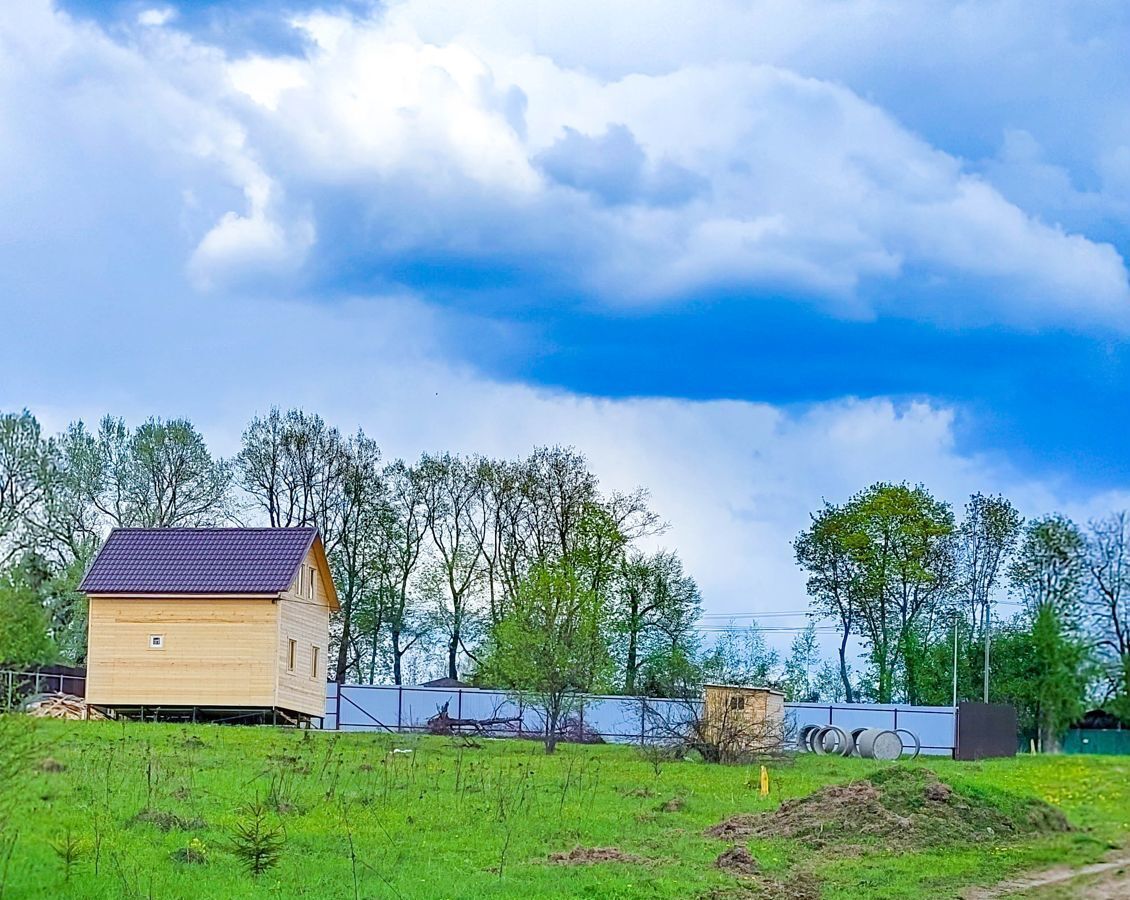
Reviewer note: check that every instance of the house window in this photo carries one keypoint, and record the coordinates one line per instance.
(311, 584)
(737, 703)
(301, 574)
(291, 655)
(156, 642)
(313, 662)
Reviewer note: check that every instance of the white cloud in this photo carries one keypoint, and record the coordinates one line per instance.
(156, 17)
(474, 132)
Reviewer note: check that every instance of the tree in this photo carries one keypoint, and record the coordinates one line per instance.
(25, 474)
(654, 610)
(293, 466)
(159, 475)
(741, 657)
(986, 537)
(405, 531)
(901, 540)
(553, 647)
(1048, 574)
(804, 656)
(1049, 569)
(24, 638)
(454, 512)
(835, 582)
(356, 557)
(1108, 598)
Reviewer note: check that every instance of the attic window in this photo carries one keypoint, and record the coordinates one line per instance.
(156, 642)
(310, 584)
(301, 576)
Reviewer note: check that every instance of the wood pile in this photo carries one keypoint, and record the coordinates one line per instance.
(61, 706)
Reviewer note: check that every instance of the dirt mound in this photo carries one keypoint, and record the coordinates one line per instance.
(738, 861)
(898, 807)
(583, 856)
(675, 804)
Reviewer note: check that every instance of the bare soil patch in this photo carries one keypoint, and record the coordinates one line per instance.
(738, 861)
(583, 856)
(898, 807)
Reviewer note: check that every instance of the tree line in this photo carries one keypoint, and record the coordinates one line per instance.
(900, 576)
(432, 558)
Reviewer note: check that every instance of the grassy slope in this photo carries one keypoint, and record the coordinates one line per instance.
(434, 823)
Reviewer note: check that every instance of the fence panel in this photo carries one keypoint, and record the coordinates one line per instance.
(631, 720)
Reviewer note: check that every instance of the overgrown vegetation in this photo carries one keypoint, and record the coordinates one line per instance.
(443, 819)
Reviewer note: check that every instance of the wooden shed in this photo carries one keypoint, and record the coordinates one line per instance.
(210, 622)
(751, 719)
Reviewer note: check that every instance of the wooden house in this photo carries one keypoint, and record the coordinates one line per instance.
(210, 623)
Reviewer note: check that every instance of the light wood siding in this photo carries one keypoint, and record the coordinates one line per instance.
(217, 651)
(304, 619)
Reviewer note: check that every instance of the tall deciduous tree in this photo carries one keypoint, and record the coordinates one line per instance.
(1049, 574)
(553, 646)
(835, 582)
(26, 475)
(655, 607)
(454, 511)
(1108, 597)
(403, 540)
(987, 536)
(356, 555)
(159, 475)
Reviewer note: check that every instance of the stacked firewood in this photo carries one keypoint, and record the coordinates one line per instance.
(61, 706)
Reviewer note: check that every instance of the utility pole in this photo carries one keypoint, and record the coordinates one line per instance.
(955, 661)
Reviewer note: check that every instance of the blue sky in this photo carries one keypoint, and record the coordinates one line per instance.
(748, 254)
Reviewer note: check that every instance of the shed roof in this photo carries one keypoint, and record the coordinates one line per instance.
(198, 560)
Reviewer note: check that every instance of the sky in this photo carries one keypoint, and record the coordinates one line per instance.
(749, 255)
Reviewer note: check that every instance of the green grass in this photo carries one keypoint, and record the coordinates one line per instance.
(439, 822)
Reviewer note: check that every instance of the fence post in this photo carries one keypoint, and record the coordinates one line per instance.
(643, 719)
(399, 704)
(459, 706)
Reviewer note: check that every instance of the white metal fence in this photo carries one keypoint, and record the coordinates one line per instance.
(618, 720)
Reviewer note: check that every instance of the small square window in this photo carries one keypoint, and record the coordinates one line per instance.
(737, 703)
(156, 642)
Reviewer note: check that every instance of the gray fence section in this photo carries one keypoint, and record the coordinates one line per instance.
(935, 726)
(618, 720)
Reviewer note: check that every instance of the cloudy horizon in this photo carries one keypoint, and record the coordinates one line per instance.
(748, 256)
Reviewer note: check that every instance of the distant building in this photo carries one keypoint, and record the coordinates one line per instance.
(210, 622)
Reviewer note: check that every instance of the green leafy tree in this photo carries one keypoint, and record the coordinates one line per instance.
(24, 635)
(835, 581)
(655, 606)
(552, 647)
(741, 656)
(987, 536)
(801, 666)
(161, 474)
(1049, 575)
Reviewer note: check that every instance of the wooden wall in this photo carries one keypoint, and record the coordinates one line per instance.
(304, 617)
(217, 651)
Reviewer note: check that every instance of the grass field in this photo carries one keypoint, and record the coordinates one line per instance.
(445, 821)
